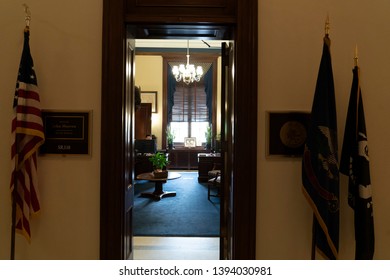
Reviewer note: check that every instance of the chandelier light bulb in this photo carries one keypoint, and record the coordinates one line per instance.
(188, 73)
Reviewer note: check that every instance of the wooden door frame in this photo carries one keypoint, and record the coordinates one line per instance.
(112, 179)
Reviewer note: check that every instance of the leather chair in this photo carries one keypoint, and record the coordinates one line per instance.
(214, 181)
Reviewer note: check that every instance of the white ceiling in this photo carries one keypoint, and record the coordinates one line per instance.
(193, 44)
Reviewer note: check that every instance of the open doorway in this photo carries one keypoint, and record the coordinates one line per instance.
(115, 156)
(154, 60)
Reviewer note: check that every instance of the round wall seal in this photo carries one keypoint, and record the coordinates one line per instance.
(293, 134)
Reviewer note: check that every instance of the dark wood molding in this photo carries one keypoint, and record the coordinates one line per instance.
(244, 23)
(155, 29)
(245, 146)
(112, 132)
(178, 10)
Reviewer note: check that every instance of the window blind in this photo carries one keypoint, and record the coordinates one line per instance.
(190, 103)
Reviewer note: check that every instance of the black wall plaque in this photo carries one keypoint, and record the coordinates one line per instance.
(66, 132)
(287, 132)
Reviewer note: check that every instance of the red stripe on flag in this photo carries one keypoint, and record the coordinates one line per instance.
(28, 94)
(28, 110)
(29, 125)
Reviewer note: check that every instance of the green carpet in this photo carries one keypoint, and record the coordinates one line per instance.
(189, 213)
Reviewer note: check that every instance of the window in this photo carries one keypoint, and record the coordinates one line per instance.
(190, 116)
(190, 109)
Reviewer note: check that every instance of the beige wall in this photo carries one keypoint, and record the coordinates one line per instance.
(290, 46)
(148, 75)
(66, 44)
(66, 47)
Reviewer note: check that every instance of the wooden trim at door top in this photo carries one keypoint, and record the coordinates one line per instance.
(179, 11)
(112, 179)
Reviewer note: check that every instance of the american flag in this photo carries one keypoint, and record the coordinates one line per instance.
(27, 129)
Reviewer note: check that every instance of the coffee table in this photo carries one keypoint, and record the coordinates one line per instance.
(158, 192)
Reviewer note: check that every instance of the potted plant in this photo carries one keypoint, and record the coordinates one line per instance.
(209, 135)
(170, 137)
(159, 162)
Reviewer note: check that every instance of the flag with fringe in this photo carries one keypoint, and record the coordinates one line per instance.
(320, 170)
(28, 133)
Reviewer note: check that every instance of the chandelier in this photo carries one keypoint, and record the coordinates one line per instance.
(188, 73)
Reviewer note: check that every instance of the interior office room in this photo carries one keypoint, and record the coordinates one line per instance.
(66, 45)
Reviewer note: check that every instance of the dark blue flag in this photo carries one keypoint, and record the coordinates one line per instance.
(355, 164)
(320, 170)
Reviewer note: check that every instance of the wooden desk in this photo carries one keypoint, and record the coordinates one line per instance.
(158, 192)
(184, 158)
(207, 162)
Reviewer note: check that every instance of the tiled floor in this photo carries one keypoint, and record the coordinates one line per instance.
(176, 248)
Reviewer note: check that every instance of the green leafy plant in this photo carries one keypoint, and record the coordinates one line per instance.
(209, 135)
(159, 161)
(170, 136)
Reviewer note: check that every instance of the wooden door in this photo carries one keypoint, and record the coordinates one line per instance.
(127, 248)
(227, 127)
(143, 120)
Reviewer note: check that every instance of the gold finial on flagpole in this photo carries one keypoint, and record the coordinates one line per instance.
(327, 25)
(27, 16)
(356, 56)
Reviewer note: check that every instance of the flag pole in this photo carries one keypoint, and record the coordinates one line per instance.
(27, 17)
(13, 228)
(327, 26)
(313, 239)
(358, 87)
(356, 56)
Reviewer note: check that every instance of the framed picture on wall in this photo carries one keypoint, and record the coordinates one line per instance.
(287, 132)
(150, 97)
